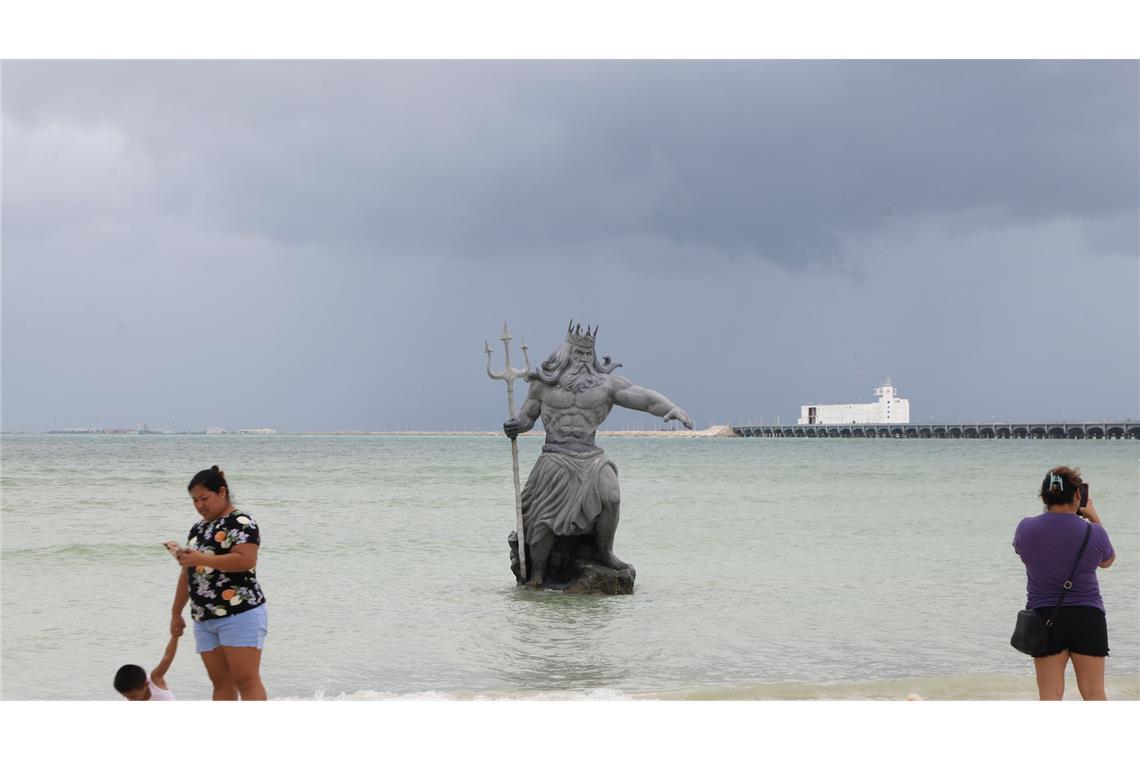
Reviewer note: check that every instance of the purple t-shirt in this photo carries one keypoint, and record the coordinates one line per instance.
(1048, 545)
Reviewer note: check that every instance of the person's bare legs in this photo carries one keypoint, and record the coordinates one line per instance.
(1090, 676)
(1051, 675)
(244, 664)
(220, 676)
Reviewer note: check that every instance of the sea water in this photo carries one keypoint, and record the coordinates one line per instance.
(766, 568)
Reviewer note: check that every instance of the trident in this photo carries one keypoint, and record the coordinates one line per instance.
(510, 374)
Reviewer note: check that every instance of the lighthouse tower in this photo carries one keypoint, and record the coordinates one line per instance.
(891, 407)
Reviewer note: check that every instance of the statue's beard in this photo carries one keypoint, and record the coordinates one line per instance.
(579, 377)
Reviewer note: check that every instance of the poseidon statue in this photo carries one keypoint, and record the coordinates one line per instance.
(572, 492)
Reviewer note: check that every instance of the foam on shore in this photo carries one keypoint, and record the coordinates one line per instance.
(993, 687)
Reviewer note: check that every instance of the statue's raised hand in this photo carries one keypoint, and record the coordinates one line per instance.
(677, 413)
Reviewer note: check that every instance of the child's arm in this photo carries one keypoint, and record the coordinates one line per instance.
(177, 626)
(158, 675)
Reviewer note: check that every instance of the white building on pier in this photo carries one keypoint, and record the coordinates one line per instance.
(888, 409)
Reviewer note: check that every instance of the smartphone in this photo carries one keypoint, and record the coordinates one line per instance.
(1084, 489)
(172, 547)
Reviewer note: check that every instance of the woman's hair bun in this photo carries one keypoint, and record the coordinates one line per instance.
(1060, 485)
(212, 479)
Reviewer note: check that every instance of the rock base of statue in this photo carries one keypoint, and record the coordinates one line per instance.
(572, 568)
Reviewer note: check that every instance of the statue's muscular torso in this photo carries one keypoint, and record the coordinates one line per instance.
(572, 419)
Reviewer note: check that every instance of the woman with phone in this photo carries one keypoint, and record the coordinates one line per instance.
(1048, 545)
(220, 583)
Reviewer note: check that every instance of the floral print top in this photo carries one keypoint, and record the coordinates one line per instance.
(213, 593)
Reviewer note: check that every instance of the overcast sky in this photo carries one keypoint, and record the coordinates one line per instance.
(325, 246)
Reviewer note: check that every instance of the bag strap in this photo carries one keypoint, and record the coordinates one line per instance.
(1069, 583)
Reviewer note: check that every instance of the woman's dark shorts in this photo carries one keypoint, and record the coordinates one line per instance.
(1079, 629)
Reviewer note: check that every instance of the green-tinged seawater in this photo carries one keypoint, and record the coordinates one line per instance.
(766, 568)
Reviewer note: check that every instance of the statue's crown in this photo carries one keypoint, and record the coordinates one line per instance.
(575, 336)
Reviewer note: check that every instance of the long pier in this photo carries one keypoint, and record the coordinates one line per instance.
(1068, 430)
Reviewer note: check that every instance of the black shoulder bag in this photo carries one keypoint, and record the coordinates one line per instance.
(1031, 633)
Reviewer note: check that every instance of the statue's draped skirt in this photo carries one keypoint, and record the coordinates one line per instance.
(561, 495)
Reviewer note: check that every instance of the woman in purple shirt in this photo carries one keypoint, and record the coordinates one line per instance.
(1048, 545)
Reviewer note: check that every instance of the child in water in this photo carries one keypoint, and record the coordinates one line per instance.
(133, 683)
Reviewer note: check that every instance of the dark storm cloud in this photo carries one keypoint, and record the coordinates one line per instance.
(323, 246)
(783, 160)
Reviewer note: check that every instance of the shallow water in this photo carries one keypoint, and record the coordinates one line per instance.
(766, 568)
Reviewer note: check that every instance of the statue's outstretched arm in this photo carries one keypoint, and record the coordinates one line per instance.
(645, 400)
(525, 417)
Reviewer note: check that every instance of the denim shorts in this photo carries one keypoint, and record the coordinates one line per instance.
(245, 629)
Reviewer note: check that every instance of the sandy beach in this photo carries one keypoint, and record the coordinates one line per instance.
(716, 431)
